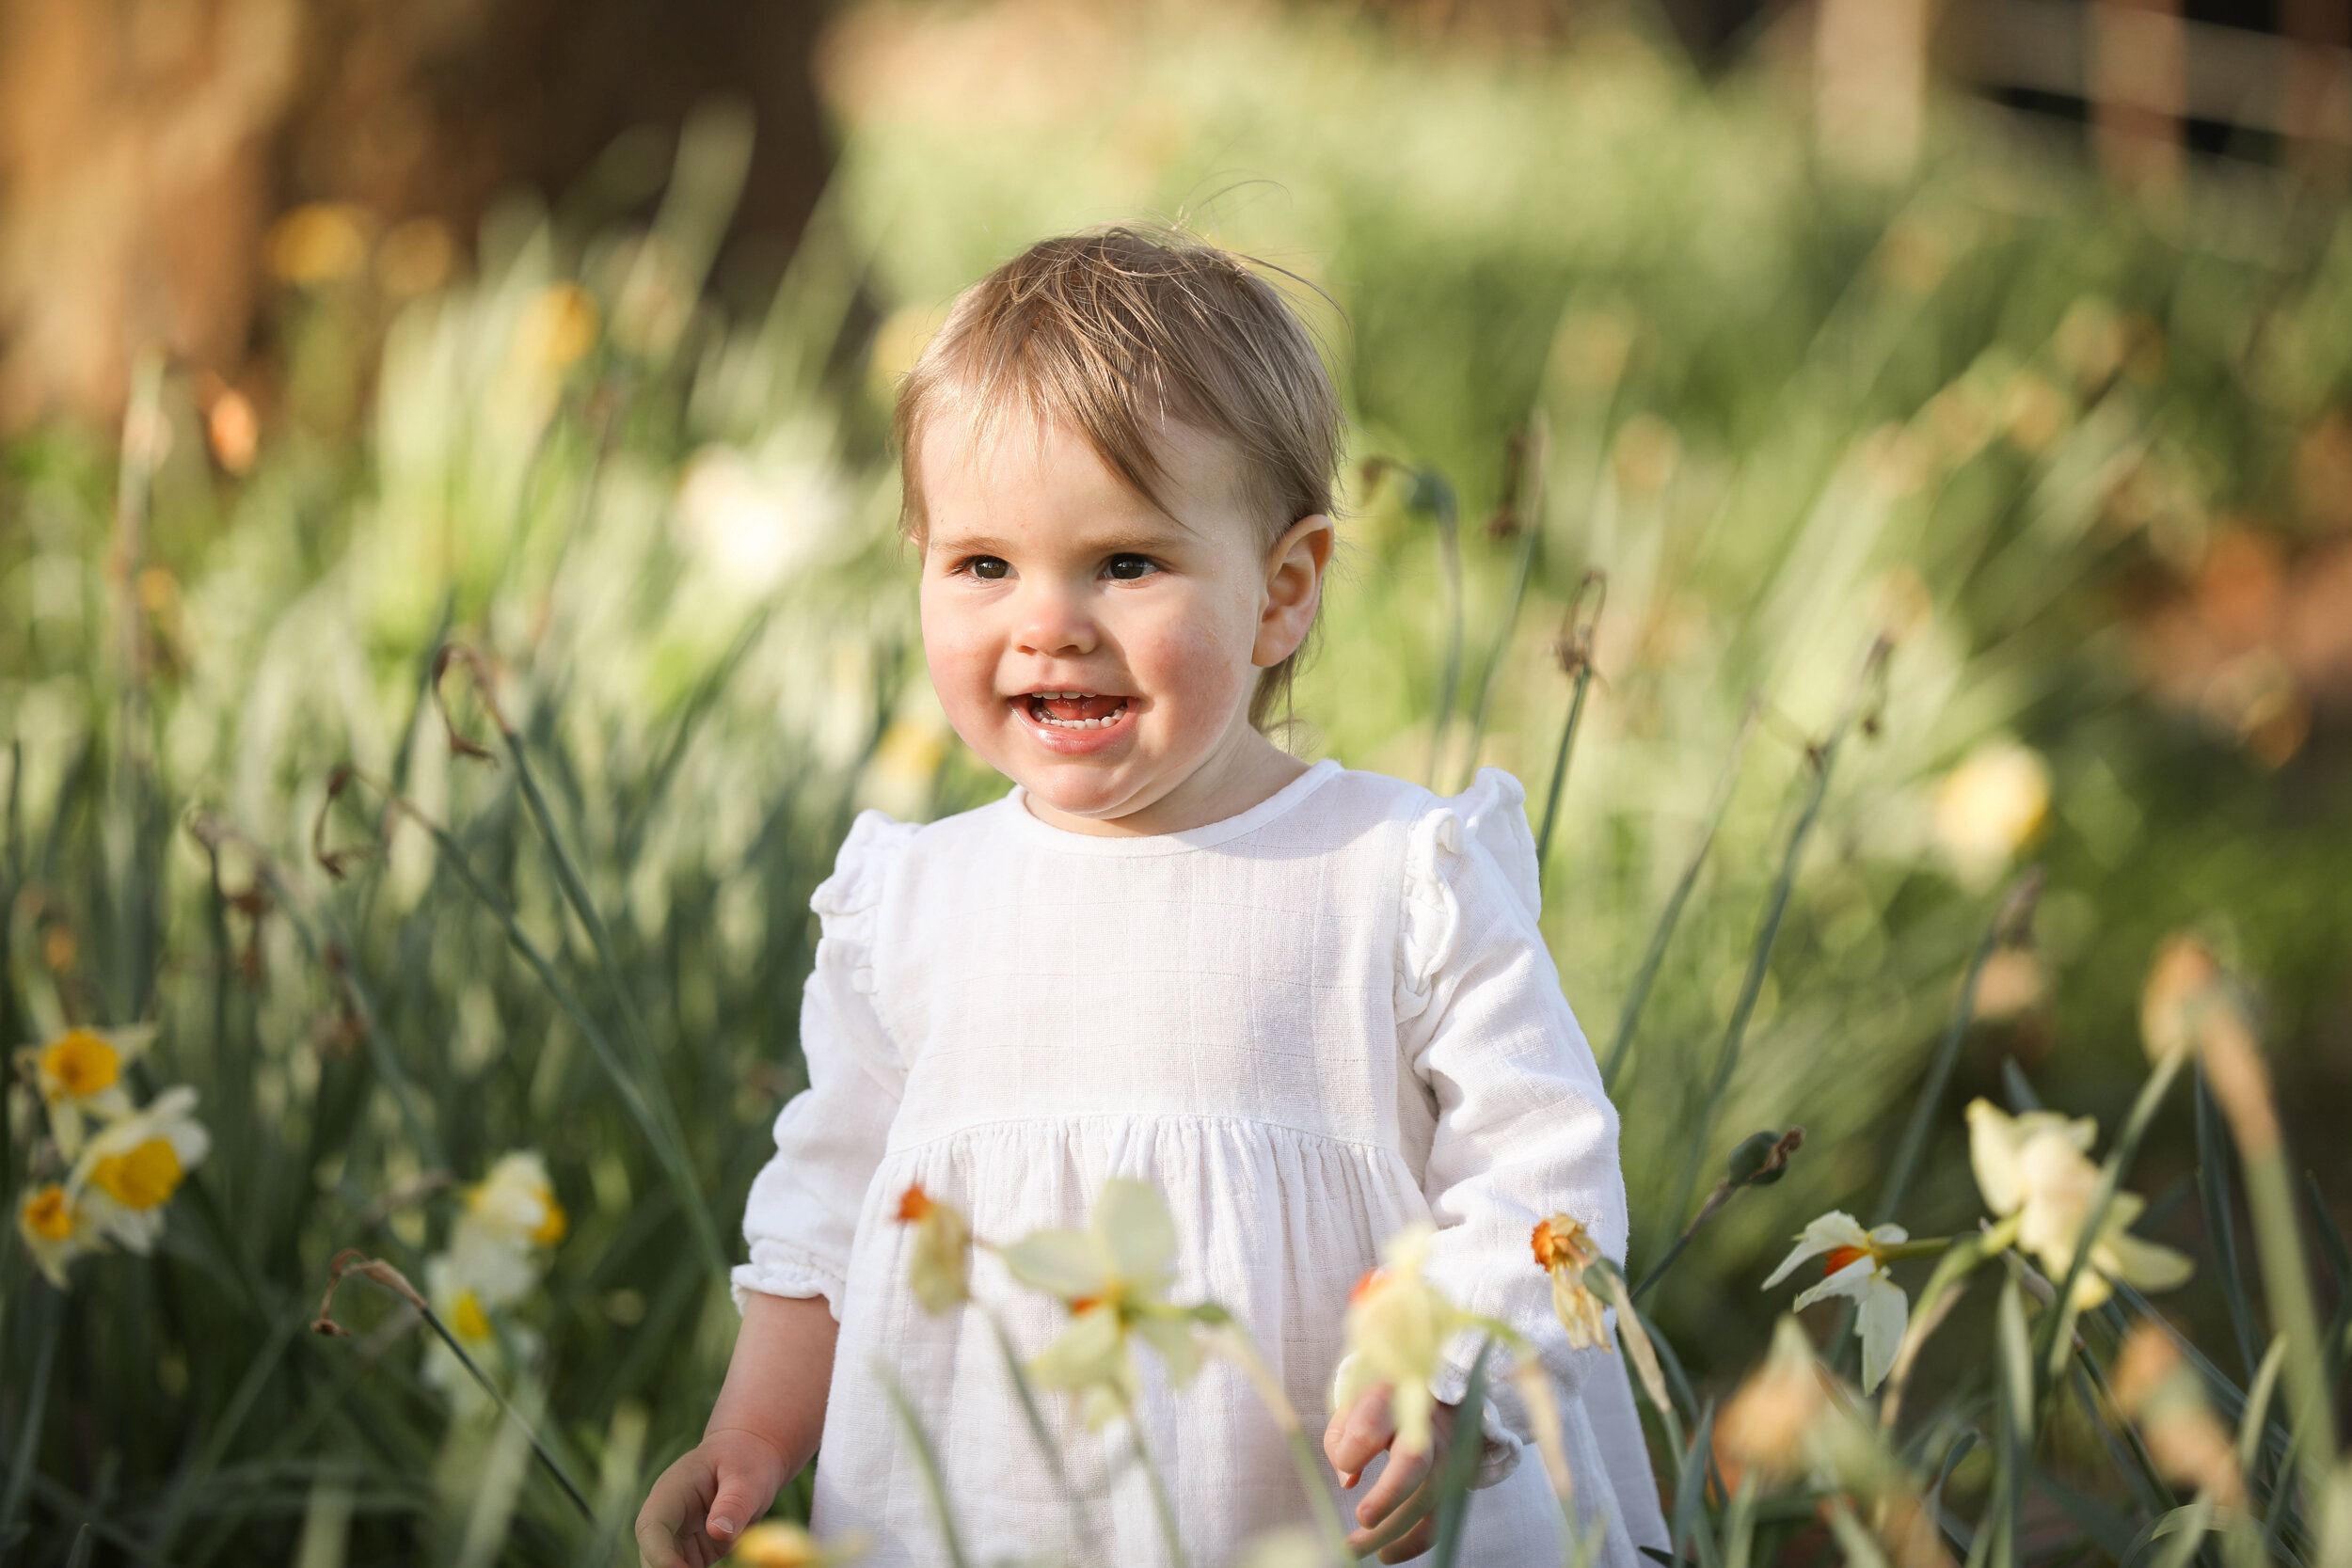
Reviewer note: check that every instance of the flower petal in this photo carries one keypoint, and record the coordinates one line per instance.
(1090, 1352)
(1137, 1231)
(2142, 1263)
(1993, 1156)
(1852, 1280)
(1063, 1263)
(1885, 1311)
(1171, 1335)
(1831, 1231)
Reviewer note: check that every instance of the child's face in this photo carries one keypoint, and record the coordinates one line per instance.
(1045, 576)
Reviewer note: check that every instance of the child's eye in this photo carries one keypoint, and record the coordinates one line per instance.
(990, 568)
(1126, 568)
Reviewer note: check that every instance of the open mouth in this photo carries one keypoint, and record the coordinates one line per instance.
(1075, 710)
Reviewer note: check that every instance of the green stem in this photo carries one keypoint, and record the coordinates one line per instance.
(2018, 901)
(1727, 1058)
(1559, 766)
(1526, 503)
(1450, 558)
(926, 1462)
(35, 1406)
(1637, 995)
(2057, 1329)
(1163, 1506)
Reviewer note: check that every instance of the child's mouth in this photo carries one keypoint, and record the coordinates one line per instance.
(1075, 710)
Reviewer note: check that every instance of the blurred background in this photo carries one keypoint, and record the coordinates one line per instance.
(1693, 349)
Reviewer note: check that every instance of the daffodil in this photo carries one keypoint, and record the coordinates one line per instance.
(506, 1215)
(780, 1543)
(1854, 1261)
(1565, 1249)
(464, 1313)
(940, 1271)
(79, 1076)
(54, 1229)
(1113, 1276)
(1398, 1324)
(131, 1168)
(1991, 806)
(2036, 1169)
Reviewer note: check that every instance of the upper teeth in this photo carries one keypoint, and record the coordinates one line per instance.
(1066, 696)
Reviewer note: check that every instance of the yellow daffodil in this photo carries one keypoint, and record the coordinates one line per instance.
(940, 1271)
(1990, 807)
(1854, 1261)
(506, 1215)
(1398, 1324)
(2036, 1168)
(1113, 1276)
(54, 1230)
(79, 1075)
(780, 1543)
(1565, 1249)
(131, 1168)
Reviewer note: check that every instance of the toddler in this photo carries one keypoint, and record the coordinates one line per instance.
(1310, 1004)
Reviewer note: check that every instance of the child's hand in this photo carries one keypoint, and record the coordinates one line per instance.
(707, 1498)
(1352, 1440)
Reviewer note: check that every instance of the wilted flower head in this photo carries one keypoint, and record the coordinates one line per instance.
(2036, 1167)
(2187, 1441)
(1565, 1249)
(940, 1268)
(1113, 1276)
(131, 1168)
(54, 1230)
(1855, 1263)
(1397, 1327)
(79, 1077)
(780, 1543)
(2182, 983)
(1770, 1422)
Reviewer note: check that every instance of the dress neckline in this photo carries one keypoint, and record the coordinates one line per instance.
(1016, 807)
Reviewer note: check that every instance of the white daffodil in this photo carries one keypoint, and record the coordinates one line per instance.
(1113, 1276)
(506, 1215)
(1565, 1249)
(56, 1230)
(940, 1270)
(462, 1310)
(79, 1077)
(132, 1167)
(1990, 807)
(1398, 1324)
(1854, 1261)
(2036, 1167)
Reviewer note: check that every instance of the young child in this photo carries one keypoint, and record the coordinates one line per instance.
(1310, 1004)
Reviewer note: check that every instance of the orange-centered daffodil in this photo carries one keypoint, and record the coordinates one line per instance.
(1855, 1263)
(1565, 1249)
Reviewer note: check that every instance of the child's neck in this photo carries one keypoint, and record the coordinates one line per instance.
(1244, 769)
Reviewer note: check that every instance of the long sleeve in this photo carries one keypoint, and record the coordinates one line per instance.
(1523, 1127)
(802, 1211)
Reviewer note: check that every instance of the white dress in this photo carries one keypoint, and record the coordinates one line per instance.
(1310, 1025)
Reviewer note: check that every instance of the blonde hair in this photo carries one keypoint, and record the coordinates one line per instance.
(1116, 333)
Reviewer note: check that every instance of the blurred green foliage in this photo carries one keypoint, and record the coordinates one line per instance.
(1591, 317)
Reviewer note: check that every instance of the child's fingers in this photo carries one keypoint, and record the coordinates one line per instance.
(1396, 1482)
(734, 1508)
(1358, 1433)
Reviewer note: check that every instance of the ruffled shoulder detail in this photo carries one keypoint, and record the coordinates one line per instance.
(1487, 821)
(847, 903)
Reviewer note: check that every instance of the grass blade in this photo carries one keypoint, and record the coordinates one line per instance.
(1575, 651)
(2212, 1191)
(926, 1461)
(1460, 1467)
(52, 1311)
(1637, 995)
(1825, 761)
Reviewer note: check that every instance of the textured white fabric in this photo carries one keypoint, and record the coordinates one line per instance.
(1310, 1026)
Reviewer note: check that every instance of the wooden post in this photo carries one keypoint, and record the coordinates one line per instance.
(1869, 67)
(2137, 81)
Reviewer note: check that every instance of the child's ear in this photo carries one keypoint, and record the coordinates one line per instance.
(1294, 589)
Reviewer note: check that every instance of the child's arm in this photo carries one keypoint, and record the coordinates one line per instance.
(762, 1429)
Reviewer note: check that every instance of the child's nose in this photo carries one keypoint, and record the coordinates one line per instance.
(1053, 619)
